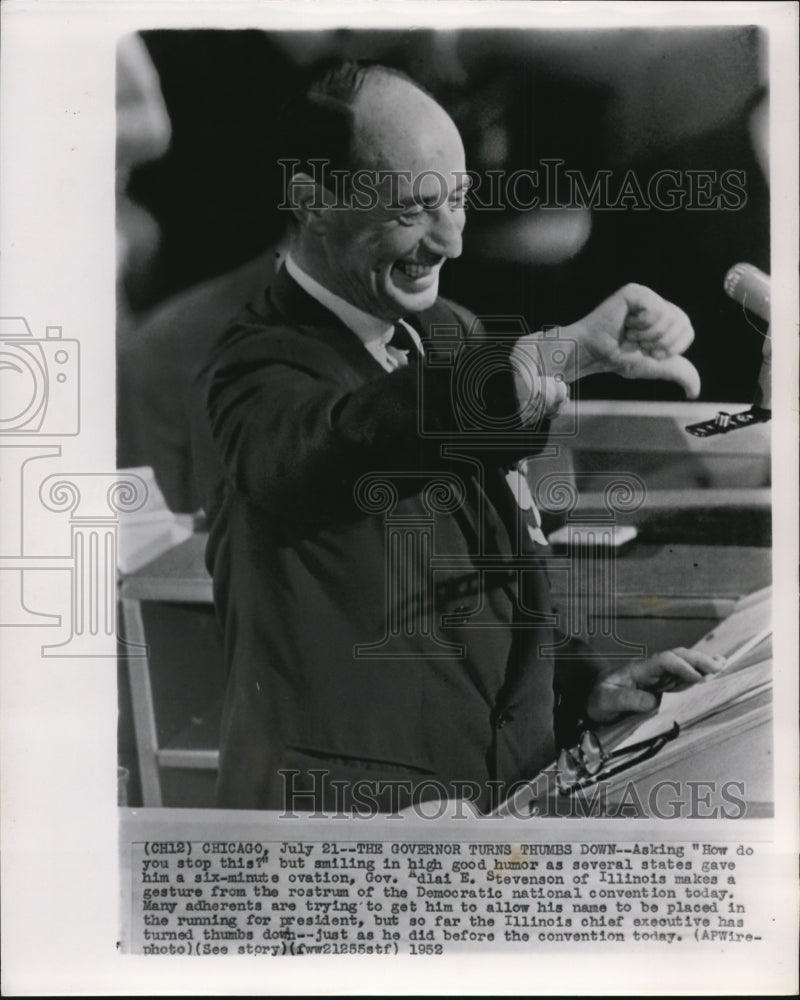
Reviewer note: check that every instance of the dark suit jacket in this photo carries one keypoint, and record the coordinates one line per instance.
(296, 411)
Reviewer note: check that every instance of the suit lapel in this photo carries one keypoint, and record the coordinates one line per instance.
(299, 309)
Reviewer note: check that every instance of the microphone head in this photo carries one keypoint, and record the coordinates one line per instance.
(750, 287)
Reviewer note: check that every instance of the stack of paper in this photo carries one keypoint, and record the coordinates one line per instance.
(738, 696)
(744, 638)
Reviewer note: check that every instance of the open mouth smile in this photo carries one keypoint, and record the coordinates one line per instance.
(421, 268)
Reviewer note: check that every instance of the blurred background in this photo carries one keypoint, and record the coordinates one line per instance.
(199, 235)
(198, 186)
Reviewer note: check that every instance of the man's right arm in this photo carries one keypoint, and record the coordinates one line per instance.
(634, 333)
(294, 428)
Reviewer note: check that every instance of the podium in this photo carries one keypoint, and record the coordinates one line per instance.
(706, 752)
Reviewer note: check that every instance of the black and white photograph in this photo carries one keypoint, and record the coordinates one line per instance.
(399, 498)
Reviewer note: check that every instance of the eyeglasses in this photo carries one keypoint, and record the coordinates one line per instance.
(587, 762)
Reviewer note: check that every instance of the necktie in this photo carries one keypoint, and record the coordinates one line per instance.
(402, 340)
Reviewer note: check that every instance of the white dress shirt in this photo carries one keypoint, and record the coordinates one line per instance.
(374, 333)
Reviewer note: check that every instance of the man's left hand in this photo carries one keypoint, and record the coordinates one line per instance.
(637, 686)
(638, 335)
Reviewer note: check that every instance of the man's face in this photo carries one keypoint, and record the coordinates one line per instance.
(383, 251)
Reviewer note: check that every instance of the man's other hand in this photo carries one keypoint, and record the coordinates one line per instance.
(637, 686)
(636, 334)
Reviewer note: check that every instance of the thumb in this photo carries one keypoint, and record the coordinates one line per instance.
(621, 698)
(675, 369)
(608, 700)
(631, 699)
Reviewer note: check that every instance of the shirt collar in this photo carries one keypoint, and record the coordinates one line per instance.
(367, 328)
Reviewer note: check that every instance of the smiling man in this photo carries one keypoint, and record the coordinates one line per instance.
(360, 678)
(404, 188)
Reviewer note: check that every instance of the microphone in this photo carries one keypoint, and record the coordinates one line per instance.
(749, 287)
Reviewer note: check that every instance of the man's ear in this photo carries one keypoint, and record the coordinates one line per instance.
(309, 202)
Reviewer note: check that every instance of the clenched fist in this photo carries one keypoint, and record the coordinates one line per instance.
(636, 334)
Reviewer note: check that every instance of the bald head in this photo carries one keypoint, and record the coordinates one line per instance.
(380, 240)
(396, 125)
(350, 116)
